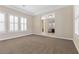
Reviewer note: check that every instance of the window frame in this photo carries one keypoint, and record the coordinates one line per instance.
(14, 23)
(24, 24)
(3, 22)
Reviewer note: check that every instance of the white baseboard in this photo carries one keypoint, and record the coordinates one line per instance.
(64, 38)
(10, 37)
(55, 36)
(76, 45)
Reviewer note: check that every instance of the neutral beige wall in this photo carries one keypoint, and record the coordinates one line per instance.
(8, 34)
(64, 26)
(63, 21)
(36, 25)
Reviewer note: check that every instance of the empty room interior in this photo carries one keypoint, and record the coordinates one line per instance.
(39, 29)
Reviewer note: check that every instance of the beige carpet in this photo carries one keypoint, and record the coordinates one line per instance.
(34, 44)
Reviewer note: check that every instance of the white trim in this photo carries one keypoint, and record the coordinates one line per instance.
(64, 38)
(31, 13)
(19, 9)
(14, 36)
(54, 36)
(76, 45)
(48, 11)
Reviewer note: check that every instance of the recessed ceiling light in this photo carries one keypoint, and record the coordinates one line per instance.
(23, 5)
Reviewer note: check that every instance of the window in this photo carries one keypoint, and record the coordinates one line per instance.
(16, 23)
(2, 22)
(13, 23)
(23, 24)
(77, 26)
(76, 20)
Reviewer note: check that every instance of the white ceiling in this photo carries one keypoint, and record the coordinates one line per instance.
(35, 9)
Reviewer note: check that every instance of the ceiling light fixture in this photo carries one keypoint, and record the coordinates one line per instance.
(23, 5)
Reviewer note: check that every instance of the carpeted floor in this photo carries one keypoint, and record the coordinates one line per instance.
(35, 44)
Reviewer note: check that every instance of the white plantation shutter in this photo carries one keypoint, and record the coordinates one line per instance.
(13, 23)
(16, 23)
(2, 22)
(77, 20)
(23, 23)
